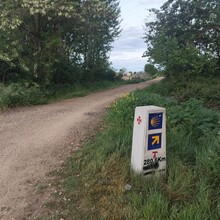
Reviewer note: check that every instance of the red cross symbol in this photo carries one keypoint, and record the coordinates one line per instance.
(139, 120)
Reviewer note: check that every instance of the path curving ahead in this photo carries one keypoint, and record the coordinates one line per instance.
(36, 140)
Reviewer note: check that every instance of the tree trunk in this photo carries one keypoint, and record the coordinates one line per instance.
(38, 47)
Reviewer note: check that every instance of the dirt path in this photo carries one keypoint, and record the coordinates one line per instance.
(36, 140)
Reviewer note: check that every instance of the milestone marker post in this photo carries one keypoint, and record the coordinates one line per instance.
(148, 155)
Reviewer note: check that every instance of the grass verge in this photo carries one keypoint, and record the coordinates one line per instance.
(25, 94)
(94, 179)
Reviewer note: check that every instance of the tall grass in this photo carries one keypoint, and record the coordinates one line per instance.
(26, 94)
(205, 89)
(94, 179)
(20, 94)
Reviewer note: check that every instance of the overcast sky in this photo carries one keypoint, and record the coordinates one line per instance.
(129, 47)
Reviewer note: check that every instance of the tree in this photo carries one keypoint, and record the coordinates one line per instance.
(43, 35)
(32, 24)
(92, 41)
(183, 28)
(151, 69)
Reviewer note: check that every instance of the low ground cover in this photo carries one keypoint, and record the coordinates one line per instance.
(205, 89)
(26, 94)
(94, 179)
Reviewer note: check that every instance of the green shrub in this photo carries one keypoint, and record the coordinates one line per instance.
(11, 72)
(17, 94)
(182, 89)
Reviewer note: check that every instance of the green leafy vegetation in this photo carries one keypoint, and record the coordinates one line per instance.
(20, 94)
(150, 69)
(184, 38)
(54, 49)
(94, 179)
(183, 42)
(205, 89)
(57, 42)
(51, 50)
(26, 94)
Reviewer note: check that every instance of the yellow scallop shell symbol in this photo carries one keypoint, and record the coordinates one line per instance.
(155, 121)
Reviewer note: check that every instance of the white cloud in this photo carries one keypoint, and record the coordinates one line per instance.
(129, 48)
(131, 38)
(126, 56)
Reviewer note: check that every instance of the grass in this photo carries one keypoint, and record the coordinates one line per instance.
(205, 89)
(66, 92)
(94, 179)
(18, 94)
(27, 94)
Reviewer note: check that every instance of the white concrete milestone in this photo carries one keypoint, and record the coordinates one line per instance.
(148, 155)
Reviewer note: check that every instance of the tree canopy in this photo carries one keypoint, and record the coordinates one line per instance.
(151, 69)
(185, 37)
(58, 41)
